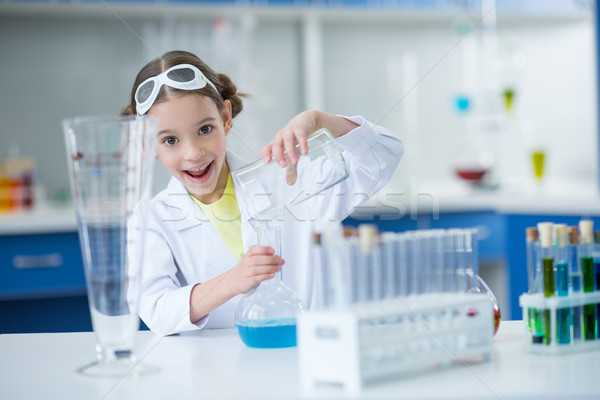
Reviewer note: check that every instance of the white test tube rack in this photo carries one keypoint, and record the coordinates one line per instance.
(539, 302)
(359, 344)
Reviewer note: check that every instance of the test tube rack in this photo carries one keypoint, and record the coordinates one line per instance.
(553, 304)
(355, 345)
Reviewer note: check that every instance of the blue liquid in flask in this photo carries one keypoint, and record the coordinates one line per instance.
(270, 333)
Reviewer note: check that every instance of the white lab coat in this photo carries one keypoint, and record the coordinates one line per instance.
(183, 249)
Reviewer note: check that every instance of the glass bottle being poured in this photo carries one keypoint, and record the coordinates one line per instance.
(266, 316)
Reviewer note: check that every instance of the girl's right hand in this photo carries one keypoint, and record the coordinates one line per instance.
(259, 264)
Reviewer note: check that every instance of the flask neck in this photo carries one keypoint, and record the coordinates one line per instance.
(274, 281)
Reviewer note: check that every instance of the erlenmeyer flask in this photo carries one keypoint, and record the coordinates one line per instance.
(266, 316)
(272, 188)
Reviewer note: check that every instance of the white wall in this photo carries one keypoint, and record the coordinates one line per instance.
(366, 72)
(54, 67)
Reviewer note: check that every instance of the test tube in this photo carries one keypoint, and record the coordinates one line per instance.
(437, 260)
(586, 254)
(472, 257)
(545, 230)
(449, 262)
(462, 281)
(531, 235)
(536, 283)
(424, 267)
(561, 259)
(563, 315)
(367, 236)
(320, 266)
(402, 265)
(390, 261)
(338, 259)
(355, 263)
(413, 258)
(377, 274)
(575, 279)
(597, 265)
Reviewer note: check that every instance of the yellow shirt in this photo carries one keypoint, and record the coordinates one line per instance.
(224, 215)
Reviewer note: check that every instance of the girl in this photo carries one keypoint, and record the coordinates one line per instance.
(200, 238)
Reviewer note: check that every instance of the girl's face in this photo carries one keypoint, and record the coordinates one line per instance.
(191, 143)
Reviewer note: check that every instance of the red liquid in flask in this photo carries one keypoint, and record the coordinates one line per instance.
(496, 319)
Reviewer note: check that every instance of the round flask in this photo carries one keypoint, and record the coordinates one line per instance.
(266, 316)
(481, 287)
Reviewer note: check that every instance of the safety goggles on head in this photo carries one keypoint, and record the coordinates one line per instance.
(182, 76)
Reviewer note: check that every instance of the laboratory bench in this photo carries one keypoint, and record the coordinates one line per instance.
(215, 364)
(42, 286)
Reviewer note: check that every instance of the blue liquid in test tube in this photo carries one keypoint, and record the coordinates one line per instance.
(563, 315)
(575, 280)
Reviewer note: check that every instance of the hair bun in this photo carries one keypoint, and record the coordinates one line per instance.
(229, 92)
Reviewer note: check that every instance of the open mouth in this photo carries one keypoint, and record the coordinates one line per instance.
(199, 173)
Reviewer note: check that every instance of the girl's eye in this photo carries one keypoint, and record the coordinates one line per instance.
(205, 130)
(170, 141)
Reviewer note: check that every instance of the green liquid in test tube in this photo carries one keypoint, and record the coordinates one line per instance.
(536, 284)
(586, 251)
(597, 275)
(531, 235)
(549, 286)
(545, 231)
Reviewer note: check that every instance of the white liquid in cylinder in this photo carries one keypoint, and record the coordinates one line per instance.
(115, 334)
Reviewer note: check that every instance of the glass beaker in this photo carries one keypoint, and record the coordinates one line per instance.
(111, 161)
(266, 316)
(271, 188)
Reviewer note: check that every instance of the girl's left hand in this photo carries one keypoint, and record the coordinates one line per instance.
(293, 134)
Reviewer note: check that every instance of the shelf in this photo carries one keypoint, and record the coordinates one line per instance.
(333, 10)
(39, 220)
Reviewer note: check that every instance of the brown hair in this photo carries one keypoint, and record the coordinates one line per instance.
(227, 90)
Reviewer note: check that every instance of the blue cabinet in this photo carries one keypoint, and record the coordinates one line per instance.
(40, 265)
(42, 284)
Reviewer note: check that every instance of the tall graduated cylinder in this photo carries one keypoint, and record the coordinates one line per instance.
(111, 161)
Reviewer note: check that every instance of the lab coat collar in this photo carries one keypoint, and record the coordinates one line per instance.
(179, 204)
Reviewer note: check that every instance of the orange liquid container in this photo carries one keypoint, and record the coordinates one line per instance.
(16, 184)
(7, 202)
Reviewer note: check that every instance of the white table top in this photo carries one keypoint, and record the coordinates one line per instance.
(214, 364)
